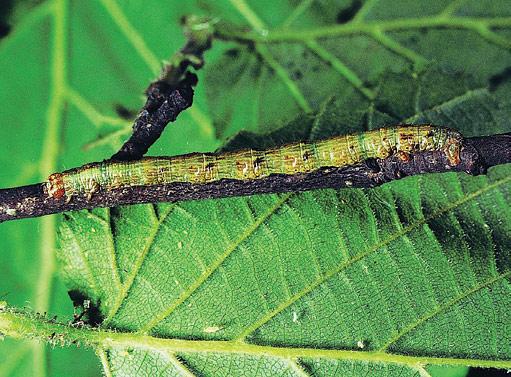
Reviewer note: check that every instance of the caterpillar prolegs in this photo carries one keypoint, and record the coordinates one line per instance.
(249, 164)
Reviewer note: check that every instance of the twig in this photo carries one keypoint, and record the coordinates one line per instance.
(171, 93)
(477, 155)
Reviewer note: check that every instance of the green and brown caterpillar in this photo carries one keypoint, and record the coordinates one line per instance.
(249, 164)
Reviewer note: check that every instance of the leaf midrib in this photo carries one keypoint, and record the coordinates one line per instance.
(17, 324)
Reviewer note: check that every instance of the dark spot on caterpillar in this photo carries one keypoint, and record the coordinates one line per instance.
(306, 156)
(232, 52)
(210, 166)
(346, 14)
(500, 78)
(90, 313)
(258, 161)
(124, 112)
(403, 156)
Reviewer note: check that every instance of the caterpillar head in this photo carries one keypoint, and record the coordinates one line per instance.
(55, 186)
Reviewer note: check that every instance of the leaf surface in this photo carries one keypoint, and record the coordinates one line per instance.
(112, 52)
(66, 67)
(31, 124)
(418, 267)
(293, 57)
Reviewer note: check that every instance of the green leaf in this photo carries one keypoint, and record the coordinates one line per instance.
(389, 280)
(30, 119)
(286, 58)
(103, 54)
(66, 66)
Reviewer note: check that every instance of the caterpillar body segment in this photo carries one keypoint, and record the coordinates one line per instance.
(296, 158)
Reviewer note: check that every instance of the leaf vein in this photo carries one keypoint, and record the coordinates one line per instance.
(136, 268)
(442, 308)
(94, 116)
(451, 8)
(214, 266)
(150, 59)
(396, 47)
(340, 67)
(13, 323)
(452, 101)
(131, 34)
(103, 357)
(85, 261)
(180, 366)
(281, 73)
(333, 272)
(363, 11)
(464, 23)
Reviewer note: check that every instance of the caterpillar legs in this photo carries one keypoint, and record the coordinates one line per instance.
(91, 187)
(88, 189)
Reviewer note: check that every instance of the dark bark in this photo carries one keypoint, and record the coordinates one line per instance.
(477, 155)
(163, 105)
(171, 93)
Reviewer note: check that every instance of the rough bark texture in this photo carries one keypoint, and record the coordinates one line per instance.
(171, 93)
(163, 105)
(477, 155)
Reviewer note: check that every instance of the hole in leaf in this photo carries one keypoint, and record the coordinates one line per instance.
(87, 310)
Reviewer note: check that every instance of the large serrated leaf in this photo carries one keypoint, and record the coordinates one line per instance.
(112, 50)
(302, 54)
(305, 284)
(66, 66)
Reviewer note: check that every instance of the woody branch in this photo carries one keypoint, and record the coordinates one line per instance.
(476, 156)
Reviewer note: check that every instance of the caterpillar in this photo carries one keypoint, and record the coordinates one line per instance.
(249, 164)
